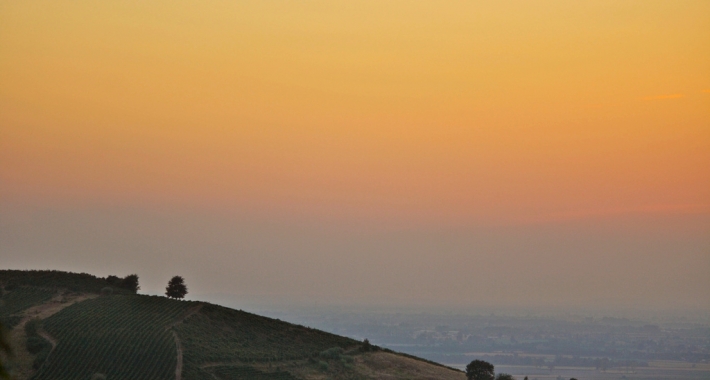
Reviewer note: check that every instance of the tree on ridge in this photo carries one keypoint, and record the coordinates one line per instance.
(480, 370)
(130, 282)
(176, 288)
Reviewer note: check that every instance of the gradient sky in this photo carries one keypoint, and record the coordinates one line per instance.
(417, 152)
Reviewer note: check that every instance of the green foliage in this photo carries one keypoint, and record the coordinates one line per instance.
(123, 337)
(249, 373)
(480, 370)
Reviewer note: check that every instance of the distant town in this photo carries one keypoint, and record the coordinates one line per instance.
(530, 344)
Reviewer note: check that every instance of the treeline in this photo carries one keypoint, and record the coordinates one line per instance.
(77, 282)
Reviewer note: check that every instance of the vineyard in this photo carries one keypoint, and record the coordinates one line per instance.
(129, 336)
(116, 336)
(217, 334)
(121, 335)
(19, 299)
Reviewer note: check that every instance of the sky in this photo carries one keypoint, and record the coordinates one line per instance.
(435, 154)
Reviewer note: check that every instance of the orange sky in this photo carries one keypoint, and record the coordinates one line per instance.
(561, 145)
(496, 112)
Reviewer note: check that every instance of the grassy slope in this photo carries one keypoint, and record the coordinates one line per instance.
(127, 336)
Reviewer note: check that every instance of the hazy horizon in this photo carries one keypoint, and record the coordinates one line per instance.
(499, 155)
(636, 264)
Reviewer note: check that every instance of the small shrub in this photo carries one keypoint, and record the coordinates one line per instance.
(31, 327)
(347, 359)
(332, 353)
(35, 344)
(367, 347)
(323, 366)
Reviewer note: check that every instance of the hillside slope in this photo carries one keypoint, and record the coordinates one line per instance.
(77, 326)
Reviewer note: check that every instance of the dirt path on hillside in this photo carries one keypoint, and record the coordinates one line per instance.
(50, 339)
(178, 345)
(23, 359)
(51, 307)
(188, 313)
(178, 366)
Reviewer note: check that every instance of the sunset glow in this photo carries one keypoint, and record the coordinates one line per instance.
(398, 109)
(394, 114)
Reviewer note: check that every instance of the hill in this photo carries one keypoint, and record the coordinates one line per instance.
(78, 326)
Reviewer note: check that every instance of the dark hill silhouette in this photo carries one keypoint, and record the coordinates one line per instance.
(78, 326)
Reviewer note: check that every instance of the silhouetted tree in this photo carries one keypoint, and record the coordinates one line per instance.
(176, 288)
(480, 370)
(130, 282)
(366, 346)
(504, 376)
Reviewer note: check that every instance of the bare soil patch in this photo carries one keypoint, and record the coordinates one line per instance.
(386, 366)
